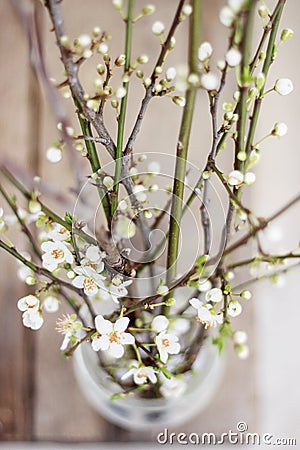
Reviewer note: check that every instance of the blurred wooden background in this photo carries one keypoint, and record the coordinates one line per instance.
(39, 397)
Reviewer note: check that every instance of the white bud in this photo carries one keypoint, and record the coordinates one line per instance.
(120, 60)
(286, 34)
(54, 154)
(280, 129)
(221, 64)
(226, 16)
(108, 182)
(235, 178)
(193, 79)
(120, 92)
(117, 4)
(162, 290)
(34, 206)
(246, 294)
(64, 40)
(179, 101)
(209, 81)
(214, 295)
(125, 228)
(170, 73)
(93, 104)
(84, 40)
(284, 86)
(103, 48)
(263, 11)
(249, 178)
(205, 51)
(187, 10)
(236, 5)
(233, 57)
(154, 167)
(158, 28)
(143, 59)
(242, 351)
(148, 9)
(240, 337)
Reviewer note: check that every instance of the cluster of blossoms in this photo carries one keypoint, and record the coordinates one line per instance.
(146, 342)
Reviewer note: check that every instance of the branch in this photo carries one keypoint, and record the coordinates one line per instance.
(149, 90)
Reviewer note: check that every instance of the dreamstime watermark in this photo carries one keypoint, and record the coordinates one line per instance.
(240, 436)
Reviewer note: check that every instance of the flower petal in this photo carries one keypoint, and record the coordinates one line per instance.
(127, 338)
(195, 302)
(116, 350)
(102, 325)
(121, 324)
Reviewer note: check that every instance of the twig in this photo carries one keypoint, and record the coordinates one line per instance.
(182, 147)
(149, 90)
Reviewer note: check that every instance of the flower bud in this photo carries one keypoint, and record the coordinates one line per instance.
(286, 34)
(246, 294)
(284, 86)
(143, 59)
(179, 101)
(148, 9)
(158, 28)
(205, 51)
(233, 57)
(280, 129)
(209, 81)
(120, 60)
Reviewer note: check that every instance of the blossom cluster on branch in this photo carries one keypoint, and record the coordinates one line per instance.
(145, 333)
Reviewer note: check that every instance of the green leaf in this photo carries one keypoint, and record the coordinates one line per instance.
(68, 218)
(165, 372)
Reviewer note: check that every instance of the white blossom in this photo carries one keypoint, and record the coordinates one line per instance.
(179, 326)
(167, 344)
(55, 254)
(205, 51)
(51, 303)
(111, 337)
(233, 57)
(71, 328)
(234, 308)
(214, 295)
(159, 323)
(173, 387)
(209, 81)
(204, 314)
(284, 86)
(204, 285)
(33, 320)
(108, 182)
(141, 375)
(29, 303)
(162, 290)
(59, 233)
(54, 154)
(88, 280)
(117, 291)
(158, 28)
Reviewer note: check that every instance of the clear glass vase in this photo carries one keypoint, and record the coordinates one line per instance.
(138, 413)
